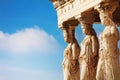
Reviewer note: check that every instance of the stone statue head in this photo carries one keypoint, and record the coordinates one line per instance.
(87, 29)
(106, 19)
(68, 33)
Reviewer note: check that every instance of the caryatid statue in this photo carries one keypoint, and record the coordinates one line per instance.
(108, 65)
(89, 51)
(71, 54)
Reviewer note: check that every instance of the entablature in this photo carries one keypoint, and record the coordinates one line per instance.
(69, 10)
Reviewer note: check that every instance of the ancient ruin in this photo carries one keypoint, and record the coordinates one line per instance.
(93, 60)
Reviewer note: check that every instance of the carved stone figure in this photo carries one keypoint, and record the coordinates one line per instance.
(89, 52)
(71, 54)
(108, 65)
(91, 11)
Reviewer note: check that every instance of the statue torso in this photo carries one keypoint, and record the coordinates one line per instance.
(108, 41)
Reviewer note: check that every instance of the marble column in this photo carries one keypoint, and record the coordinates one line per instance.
(108, 65)
(70, 62)
(89, 48)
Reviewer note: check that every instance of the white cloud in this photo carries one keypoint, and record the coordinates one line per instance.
(29, 40)
(17, 73)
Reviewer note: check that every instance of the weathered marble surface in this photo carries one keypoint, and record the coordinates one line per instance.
(89, 53)
(108, 65)
(70, 62)
(95, 61)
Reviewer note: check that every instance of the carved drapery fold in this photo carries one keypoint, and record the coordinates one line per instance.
(89, 48)
(70, 62)
(108, 65)
(86, 12)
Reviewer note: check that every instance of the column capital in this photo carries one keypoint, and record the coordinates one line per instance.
(105, 12)
(70, 23)
(86, 17)
(108, 7)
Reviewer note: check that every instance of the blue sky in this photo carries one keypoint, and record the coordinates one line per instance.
(31, 45)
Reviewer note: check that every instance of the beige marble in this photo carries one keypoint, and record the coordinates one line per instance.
(108, 65)
(89, 53)
(67, 9)
(70, 62)
(97, 61)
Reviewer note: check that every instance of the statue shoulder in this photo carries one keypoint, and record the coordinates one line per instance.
(76, 47)
(94, 38)
(66, 49)
(75, 44)
(114, 30)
